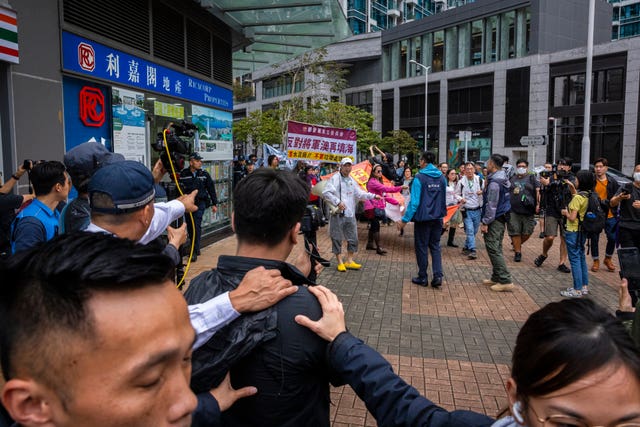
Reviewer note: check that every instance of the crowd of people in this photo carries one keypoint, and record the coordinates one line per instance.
(91, 289)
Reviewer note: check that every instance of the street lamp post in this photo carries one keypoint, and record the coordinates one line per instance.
(426, 97)
(586, 140)
(555, 140)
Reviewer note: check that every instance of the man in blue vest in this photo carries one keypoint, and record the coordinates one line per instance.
(38, 222)
(495, 215)
(426, 209)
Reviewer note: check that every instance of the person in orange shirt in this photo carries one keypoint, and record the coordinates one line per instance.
(605, 188)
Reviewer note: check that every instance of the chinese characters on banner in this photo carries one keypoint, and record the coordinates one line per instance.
(319, 143)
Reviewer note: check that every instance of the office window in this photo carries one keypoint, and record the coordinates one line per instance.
(403, 59)
(476, 43)
(438, 51)
(508, 35)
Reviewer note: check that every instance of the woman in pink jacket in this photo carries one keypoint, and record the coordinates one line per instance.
(375, 186)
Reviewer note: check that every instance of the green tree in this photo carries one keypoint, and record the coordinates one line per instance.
(258, 127)
(399, 141)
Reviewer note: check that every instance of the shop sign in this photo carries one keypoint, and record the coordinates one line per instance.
(89, 58)
(91, 106)
(8, 36)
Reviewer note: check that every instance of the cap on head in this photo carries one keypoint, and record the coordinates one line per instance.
(129, 184)
(346, 160)
(241, 158)
(195, 156)
(83, 160)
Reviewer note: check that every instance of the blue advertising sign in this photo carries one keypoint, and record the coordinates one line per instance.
(77, 130)
(90, 58)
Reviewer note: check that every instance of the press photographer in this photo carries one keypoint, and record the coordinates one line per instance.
(9, 203)
(557, 189)
(311, 221)
(628, 197)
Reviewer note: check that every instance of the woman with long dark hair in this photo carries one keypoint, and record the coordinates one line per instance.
(375, 186)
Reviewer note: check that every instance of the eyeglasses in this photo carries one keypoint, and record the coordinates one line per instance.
(569, 421)
(377, 171)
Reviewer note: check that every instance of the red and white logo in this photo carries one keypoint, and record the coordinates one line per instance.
(86, 57)
(92, 106)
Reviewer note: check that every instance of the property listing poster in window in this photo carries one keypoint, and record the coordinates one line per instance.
(129, 132)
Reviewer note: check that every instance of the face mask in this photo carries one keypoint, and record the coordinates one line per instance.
(521, 171)
(636, 176)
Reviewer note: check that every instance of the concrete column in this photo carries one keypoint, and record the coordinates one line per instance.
(396, 108)
(521, 33)
(451, 48)
(539, 107)
(630, 127)
(464, 36)
(377, 109)
(442, 131)
(499, 110)
(395, 61)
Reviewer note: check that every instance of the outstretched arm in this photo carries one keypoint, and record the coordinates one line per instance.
(388, 397)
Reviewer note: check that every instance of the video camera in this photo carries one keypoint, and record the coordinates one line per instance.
(178, 136)
(548, 174)
(556, 175)
(312, 219)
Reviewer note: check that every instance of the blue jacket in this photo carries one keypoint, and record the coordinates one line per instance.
(496, 198)
(428, 196)
(392, 401)
(35, 224)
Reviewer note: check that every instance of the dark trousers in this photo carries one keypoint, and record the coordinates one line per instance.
(610, 233)
(628, 238)
(197, 219)
(426, 236)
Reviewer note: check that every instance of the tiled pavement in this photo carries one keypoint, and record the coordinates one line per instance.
(453, 344)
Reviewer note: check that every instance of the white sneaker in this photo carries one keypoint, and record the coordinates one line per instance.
(571, 293)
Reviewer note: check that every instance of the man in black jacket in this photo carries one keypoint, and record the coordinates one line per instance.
(267, 349)
(194, 178)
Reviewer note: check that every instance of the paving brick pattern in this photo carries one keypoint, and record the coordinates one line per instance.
(453, 344)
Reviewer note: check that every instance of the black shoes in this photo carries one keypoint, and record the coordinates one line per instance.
(539, 260)
(564, 269)
(436, 282)
(420, 281)
(452, 245)
(517, 257)
(194, 258)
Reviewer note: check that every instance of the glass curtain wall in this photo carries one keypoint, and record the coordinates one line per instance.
(490, 39)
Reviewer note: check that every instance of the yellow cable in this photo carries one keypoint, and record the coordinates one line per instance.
(193, 225)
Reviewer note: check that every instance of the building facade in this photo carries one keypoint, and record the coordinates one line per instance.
(501, 70)
(119, 72)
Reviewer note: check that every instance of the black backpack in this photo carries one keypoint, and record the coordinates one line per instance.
(595, 217)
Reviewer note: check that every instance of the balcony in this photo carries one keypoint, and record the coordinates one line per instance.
(393, 12)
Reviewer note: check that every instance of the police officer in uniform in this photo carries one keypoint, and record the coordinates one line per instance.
(194, 178)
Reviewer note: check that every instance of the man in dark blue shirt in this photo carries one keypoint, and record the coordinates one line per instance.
(427, 208)
(38, 222)
(195, 178)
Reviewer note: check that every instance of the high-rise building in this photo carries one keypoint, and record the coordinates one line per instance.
(365, 16)
(626, 18)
